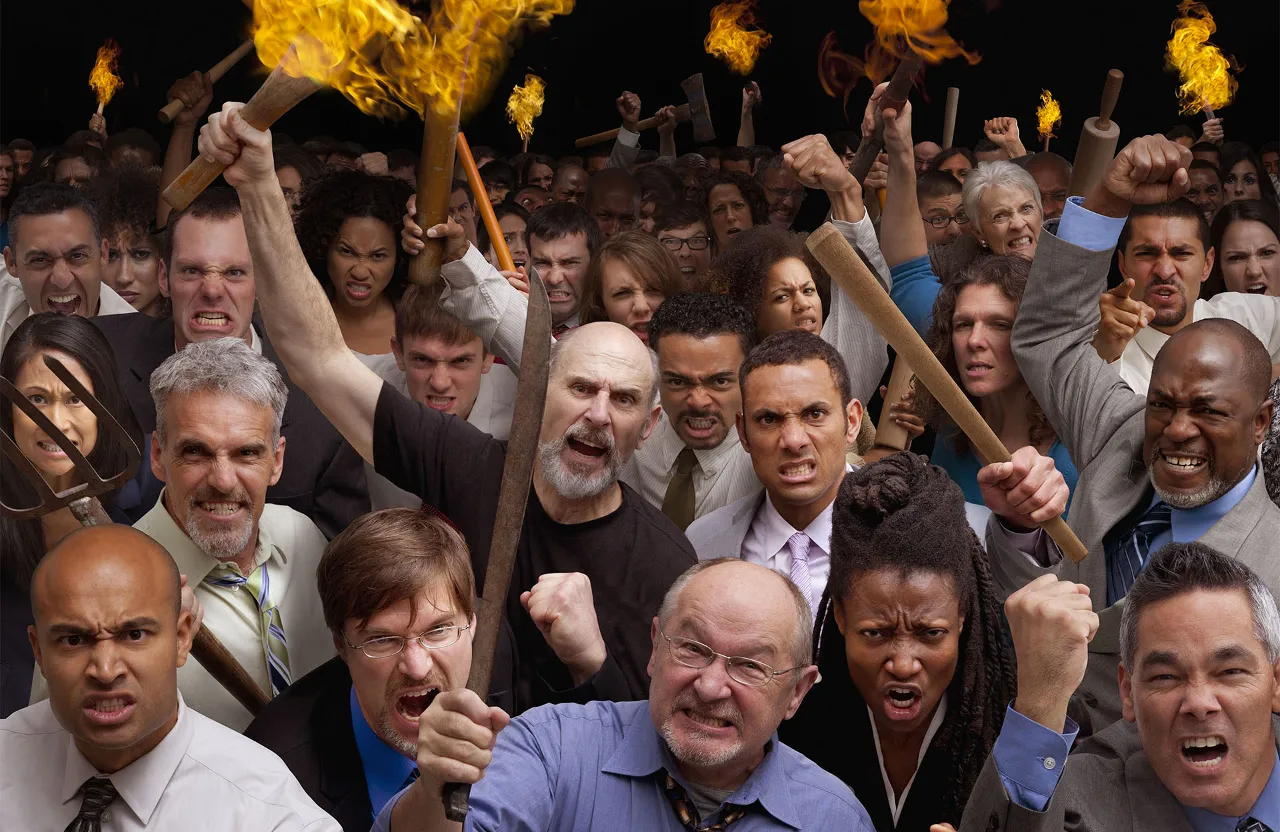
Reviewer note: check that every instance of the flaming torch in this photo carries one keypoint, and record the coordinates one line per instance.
(1207, 82)
(525, 104)
(734, 37)
(1049, 115)
(103, 78)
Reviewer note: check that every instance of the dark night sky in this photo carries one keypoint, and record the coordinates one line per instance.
(605, 46)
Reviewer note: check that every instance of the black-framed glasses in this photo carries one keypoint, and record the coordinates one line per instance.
(697, 655)
(384, 647)
(943, 222)
(698, 242)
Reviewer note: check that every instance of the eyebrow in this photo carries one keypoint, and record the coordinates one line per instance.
(444, 617)
(1232, 653)
(138, 623)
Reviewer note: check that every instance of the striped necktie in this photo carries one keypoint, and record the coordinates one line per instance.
(98, 794)
(274, 645)
(799, 546)
(1127, 553)
(1252, 825)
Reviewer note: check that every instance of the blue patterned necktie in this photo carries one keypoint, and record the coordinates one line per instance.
(1127, 553)
(1252, 825)
(274, 644)
(98, 794)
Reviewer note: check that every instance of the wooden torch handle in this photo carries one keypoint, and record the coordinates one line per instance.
(228, 672)
(890, 434)
(505, 263)
(683, 113)
(435, 183)
(277, 95)
(949, 118)
(1110, 95)
(171, 110)
(895, 95)
(847, 269)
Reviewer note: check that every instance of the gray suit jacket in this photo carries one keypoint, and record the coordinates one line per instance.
(1100, 420)
(1107, 786)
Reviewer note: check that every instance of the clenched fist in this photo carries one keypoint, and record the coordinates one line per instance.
(1027, 491)
(1052, 623)
(561, 604)
(1150, 170)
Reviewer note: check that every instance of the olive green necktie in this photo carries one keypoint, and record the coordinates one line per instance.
(679, 501)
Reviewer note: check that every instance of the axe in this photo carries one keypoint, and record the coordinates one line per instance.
(696, 111)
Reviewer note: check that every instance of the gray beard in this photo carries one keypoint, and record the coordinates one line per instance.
(219, 546)
(694, 756)
(392, 738)
(1212, 490)
(572, 485)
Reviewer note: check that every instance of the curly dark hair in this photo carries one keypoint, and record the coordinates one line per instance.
(906, 515)
(750, 189)
(742, 270)
(126, 199)
(329, 200)
(1009, 272)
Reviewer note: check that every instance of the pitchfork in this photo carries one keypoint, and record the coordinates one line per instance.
(84, 504)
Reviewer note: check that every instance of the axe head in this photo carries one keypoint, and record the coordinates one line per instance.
(700, 113)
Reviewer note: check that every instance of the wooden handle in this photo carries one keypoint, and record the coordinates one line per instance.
(895, 95)
(890, 434)
(171, 110)
(1208, 111)
(847, 269)
(505, 263)
(228, 672)
(683, 113)
(435, 183)
(597, 138)
(1110, 95)
(949, 118)
(278, 95)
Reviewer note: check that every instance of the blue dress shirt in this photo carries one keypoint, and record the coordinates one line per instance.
(1189, 524)
(385, 768)
(1081, 227)
(1266, 809)
(597, 767)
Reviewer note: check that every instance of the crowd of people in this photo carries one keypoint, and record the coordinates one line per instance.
(734, 605)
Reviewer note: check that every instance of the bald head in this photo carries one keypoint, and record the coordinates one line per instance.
(614, 342)
(924, 153)
(104, 559)
(569, 184)
(1232, 348)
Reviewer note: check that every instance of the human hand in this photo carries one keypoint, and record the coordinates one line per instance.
(1027, 491)
(751, 96)
(628, 105)
(1122, 317)
(897, 132)
(98, 124)
(878, 175)
(1212, 131)
(903, 413)
(869, 112)
(411, 235)
(816, 164)
(245, 150)
(666, 120)
(1149, 170)
(1052, 623)
(518, 280)
(196, 94)
(1003, 131)
(561, 604)
(191, 604)
(456, 735)
(375, 163)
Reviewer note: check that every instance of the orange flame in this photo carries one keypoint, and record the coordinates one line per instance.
(917, 26)
(384, 59)
(734, 37)
(839, 72)
(1205, 71)
(1049, 114)
(103, 79)
(525, 104)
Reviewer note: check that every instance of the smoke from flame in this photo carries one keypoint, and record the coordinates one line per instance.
(734, 37)
(525, 104)
(102, 79)
(839, 72)
(385, 59)
(1205, 71)
(1049, 114)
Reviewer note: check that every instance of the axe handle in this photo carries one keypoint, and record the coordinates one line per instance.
(894, 96)
(682, 114)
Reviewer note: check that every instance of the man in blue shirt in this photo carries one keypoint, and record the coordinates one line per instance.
(1199, 679)
(731, 659)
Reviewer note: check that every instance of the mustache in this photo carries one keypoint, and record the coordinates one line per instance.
(598, 437)
(209, 494)
(689, 701)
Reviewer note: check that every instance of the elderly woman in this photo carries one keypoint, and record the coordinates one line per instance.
(1246, 244)
(915, 674)
(628, 279)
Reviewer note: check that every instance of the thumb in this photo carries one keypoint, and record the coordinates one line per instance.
(994, 473)
(524, 599)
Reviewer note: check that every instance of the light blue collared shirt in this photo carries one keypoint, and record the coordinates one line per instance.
(1190, 524)
(1266, 809)
(385, 769)
(1080, 226)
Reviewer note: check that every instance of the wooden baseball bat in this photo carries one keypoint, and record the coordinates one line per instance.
(847, 269)
(1098, 139)
(949, 117)
(505, 263)
(890, 434)
(170, 110)
(435, 183)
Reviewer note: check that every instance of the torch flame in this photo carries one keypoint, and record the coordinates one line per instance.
(839, 72)
(1205, 71)
(525, 104)
(917, 26)
(1049, 114)
(102, 79)
(385, 59)
(734, 38)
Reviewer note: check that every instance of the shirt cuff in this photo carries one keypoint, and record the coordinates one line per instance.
(1080, 226)
(1030, 757)
(1032, 545)
(468, 271)
(628, 137)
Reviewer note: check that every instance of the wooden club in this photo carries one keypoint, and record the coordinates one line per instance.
(505, 263)
(1098, 139)
(894, 96)
(949, 117)
(435, 183)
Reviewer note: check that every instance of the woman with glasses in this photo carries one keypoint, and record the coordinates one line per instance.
(628, 279)
(915, 674)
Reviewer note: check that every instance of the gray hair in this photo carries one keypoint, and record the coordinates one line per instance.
(802, 639)
(562, 344)
(991, 174)
(1180, 568)
(223, 365)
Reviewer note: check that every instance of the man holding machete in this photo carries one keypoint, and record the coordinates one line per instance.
(585, 536)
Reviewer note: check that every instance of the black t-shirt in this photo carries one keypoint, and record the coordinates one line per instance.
(632, 555)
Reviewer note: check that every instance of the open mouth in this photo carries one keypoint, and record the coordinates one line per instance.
(1256, 288)
(586, 448)
(701, 426)
(64, 304)
(1025, 241)
(641, 330)
(359, 291)
(1164, 294)
(732, 231)
(798, 472)
(221, 508)
(1183, 462)
(211, 320)
(558, 296)
(52, 449)
(411, 705)
(440, 402)
(977, 369)
(706, 721)
(1204, 752)
(902, 703)
(808, 323)
(108, 710)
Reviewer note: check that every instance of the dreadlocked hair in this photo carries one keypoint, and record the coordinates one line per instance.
(904, 514)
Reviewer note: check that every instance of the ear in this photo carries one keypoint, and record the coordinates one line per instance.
(1262, 421)
(838, 609)
(1209, 257)
(10, 261)
(741, 422)
(1126, 695)
(854, 414)
(804, 684)
(398, 353)
(653, 654)
(649, 425)
(32, 638)
(1120, 263)
(487, 363)
(277, 464)
(163, 278)
(157, 458)
(1275, 688)
(186, 633)
(104, 251)
(339, 647)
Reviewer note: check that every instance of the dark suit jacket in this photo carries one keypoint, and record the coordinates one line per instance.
(309, 726)
(323, 476)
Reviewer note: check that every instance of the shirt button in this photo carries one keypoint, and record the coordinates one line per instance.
(1050, 763)
(106, 817)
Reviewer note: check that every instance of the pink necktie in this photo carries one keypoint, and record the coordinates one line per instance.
(799, 546)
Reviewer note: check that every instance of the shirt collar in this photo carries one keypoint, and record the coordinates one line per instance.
(1150, 339)
(1266, 809)
(385, 768)
(775, 531)
(642, 752)
(710, 460)
(1193, 523)
(142, 783)
(192, 561)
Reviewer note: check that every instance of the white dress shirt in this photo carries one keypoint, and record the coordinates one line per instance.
(896, 802)
(766, 543)
(848, 330)
(723, 473)
(14, 309)
(1260, 314)
(201, 776)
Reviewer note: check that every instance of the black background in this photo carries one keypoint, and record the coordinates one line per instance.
(605, 46)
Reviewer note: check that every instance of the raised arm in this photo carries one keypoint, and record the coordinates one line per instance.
(626, 147)
(747, 126)
(297, 314)
(195, 92)
(901, 231)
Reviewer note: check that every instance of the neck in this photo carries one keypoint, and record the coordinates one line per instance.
(569, 512)
(1006, 413)
(905, 743)
(730, 776)
(801, 515)
(111, 760)
(361, 314)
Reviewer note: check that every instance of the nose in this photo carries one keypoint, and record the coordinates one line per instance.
(640, 306)
(105, 665)
(1165, 268)
(977, 337)
(60, 415)
(1253, 266)
(901, 664)
(699, 398)
(598, 413)
(62, 276)
(1181, 427)
(554, 276)
(713, 683)
(222, 475)
(794, 436)
(212, 287)
(415, 661)
(439, 379)
(1200, 700)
